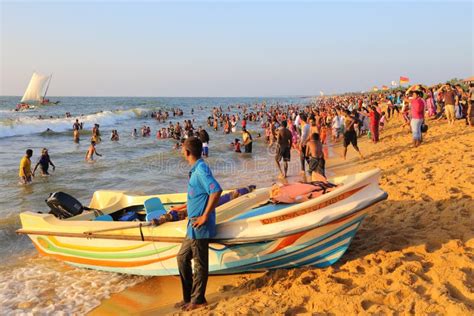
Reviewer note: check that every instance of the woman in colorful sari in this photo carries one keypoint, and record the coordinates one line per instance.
(374, 116)
(430, 103)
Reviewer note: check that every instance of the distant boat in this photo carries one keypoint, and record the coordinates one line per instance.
(36, 91)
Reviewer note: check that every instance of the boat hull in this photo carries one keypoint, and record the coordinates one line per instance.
(318, 247)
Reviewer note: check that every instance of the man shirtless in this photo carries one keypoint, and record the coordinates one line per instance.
(76, 127)
(350, 136)
(316, 162)
(284, 143)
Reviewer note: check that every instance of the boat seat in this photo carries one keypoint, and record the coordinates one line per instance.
(154, 208)
(104, 218)
(153, 204)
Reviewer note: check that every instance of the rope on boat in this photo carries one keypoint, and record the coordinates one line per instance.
(141, 232)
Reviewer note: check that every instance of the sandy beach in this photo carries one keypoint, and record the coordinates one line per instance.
(145, 165)
(412, 255)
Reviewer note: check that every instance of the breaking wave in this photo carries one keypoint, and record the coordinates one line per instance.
(31, 125)
(46, 287)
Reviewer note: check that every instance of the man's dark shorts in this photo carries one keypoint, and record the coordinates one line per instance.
(317, 165)
(350, 137)
(284, 153)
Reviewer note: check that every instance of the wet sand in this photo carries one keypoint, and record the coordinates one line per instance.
(414, 253)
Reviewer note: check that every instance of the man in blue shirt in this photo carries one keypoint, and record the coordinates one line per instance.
(203, 195)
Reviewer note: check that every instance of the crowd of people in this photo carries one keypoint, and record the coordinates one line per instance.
(307, 128)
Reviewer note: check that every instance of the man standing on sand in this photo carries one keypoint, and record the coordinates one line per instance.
(470, 111)
(350, 135)
(25, 173)
(284, 142)
(450, 100)
(316, 162)
(203, 195)
(305, 128)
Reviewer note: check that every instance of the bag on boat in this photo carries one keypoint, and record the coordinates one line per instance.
(235, 194)
(129, 216)
(224, 197)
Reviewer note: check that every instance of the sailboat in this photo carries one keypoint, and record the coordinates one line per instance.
(36, 91)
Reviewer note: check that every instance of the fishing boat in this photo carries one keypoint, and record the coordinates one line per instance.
(35, 93)
(253, 232)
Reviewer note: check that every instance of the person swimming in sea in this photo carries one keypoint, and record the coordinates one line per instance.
(114, 136)
(44, 163)
(236, 146)
(76, 135)
(91, 151)
(96, 134)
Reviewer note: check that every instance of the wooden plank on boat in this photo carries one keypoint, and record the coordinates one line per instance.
(100, 236)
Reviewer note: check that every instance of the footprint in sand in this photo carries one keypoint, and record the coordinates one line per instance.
(456, 294)
(366, 304)
(425, 197)
(454, 190)
(469, 278)
(432, 246)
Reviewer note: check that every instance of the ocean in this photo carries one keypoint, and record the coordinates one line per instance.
(144, 165)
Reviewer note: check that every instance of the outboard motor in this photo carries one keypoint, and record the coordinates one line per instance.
(63, 205)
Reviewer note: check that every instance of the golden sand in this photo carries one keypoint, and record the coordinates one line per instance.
(413, 253)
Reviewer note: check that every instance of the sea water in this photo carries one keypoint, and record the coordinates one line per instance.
(144, 165)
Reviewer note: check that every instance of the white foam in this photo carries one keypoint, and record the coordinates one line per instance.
(44, 286)
(30, 125)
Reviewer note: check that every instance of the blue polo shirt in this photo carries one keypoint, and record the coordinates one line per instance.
(201, 185)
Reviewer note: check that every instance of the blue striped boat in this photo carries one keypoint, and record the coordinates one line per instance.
(252, 235)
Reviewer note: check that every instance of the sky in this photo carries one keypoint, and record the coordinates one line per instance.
(244, 48)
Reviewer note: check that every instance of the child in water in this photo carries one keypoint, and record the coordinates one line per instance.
(236, 146)
(91, 151)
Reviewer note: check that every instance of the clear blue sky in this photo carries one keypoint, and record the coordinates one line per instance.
(232, 49)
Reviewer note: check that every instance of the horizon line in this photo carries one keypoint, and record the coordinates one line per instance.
(144, 96)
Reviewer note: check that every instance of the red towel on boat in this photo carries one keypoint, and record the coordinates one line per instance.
(299, 192)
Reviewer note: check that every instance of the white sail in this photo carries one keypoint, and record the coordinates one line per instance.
(35, 89)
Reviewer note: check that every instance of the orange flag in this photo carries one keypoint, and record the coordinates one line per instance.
(404, 80)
